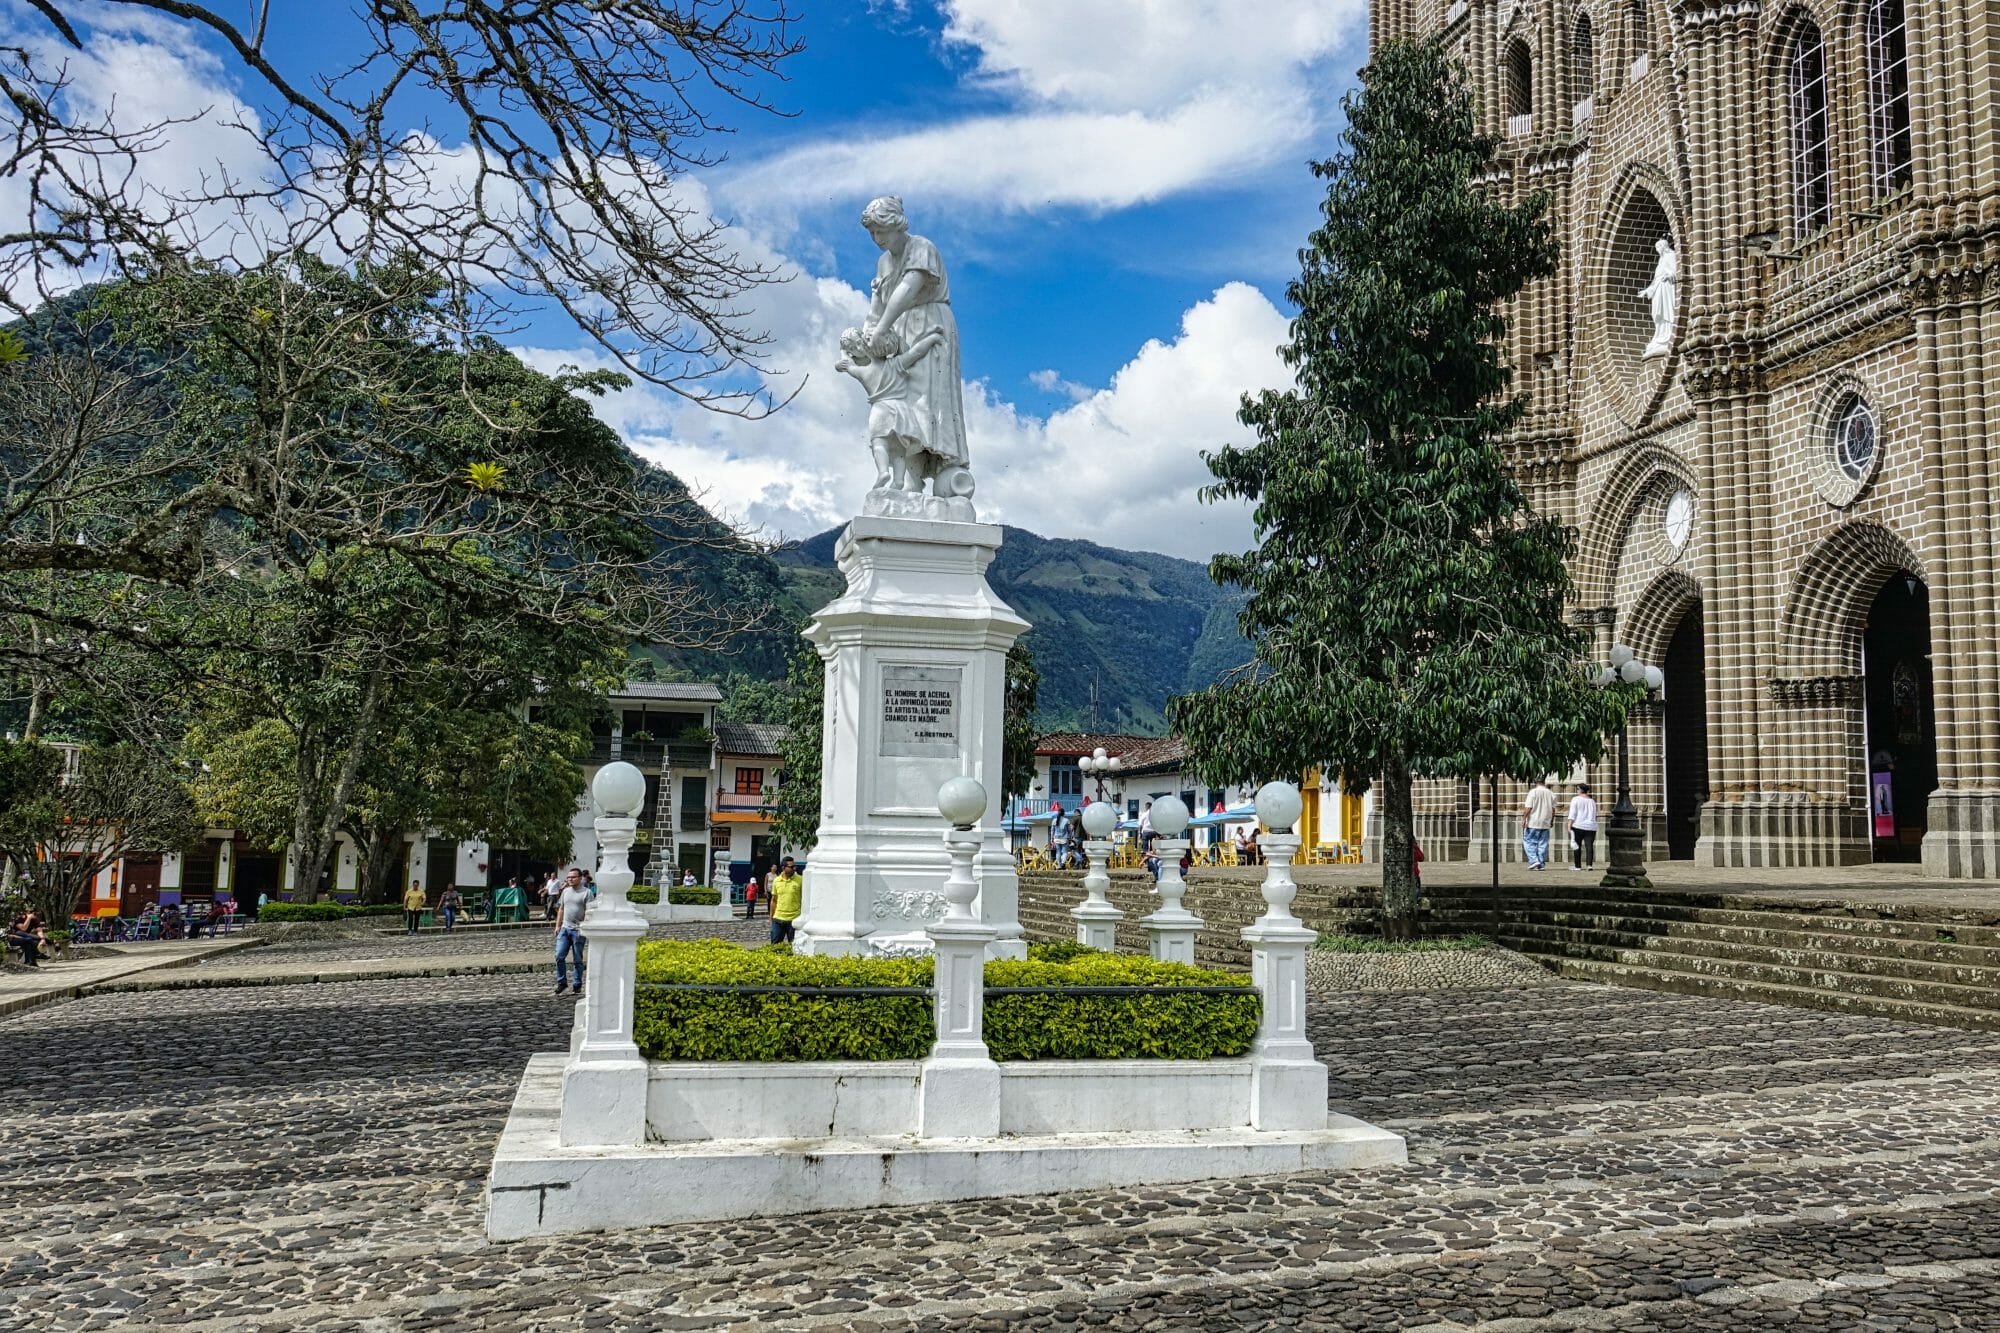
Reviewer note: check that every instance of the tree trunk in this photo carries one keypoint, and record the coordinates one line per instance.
(1399, 871)
(316, 830)
(382, 852)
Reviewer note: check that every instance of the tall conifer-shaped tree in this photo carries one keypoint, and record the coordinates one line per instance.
(1406, 607)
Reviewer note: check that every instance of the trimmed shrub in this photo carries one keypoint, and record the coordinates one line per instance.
(1059, 951)
(324, 911)
(643, 893)
(1376, 944)
(782, 1026)
(1146, 1025)
(695, 897)
(792, 1025)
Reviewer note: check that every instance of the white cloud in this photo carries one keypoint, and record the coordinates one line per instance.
(1099, 160)
(1118, 103)
(1126, 54)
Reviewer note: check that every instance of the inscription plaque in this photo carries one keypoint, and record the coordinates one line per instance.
(920, 712)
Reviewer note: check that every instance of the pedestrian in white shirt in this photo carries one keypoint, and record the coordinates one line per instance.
(1583, 829)
(1538, 816)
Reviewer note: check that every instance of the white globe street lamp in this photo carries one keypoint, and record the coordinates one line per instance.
(1626, 862)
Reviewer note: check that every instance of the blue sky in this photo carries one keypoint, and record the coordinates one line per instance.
(1118, 188)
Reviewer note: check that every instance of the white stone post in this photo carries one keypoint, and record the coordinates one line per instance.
(960, 1095)
(1096, 919)
(1171, 929)
(604, 1085)
(1289, 1091)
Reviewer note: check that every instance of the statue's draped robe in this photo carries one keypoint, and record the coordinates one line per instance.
(934, 382)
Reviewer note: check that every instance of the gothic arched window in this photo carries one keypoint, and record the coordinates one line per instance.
(1887, 48)
(1582, 61)
(1520, 79)
(1812, 155)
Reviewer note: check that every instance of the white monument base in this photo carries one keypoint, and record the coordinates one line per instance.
(916, 681)
(540, 1188)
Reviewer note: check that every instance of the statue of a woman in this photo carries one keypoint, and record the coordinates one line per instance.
(912, 298)
(1661, 294)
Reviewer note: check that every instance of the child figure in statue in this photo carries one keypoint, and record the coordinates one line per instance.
(896, 433)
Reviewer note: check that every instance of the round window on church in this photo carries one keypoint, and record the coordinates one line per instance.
(1677, 522)
(1854, 440)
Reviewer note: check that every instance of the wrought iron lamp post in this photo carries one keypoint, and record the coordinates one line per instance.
(1099, 765)
(1626, 862)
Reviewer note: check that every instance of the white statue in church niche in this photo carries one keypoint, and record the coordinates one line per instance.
(1661, 294)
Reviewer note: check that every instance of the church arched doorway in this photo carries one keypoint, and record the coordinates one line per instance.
(1684, 733)
(1901, 719)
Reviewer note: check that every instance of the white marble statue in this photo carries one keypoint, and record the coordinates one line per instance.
(922, 420)
(898, 434)
(1661, 293)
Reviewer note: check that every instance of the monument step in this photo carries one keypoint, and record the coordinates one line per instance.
(1919, 922)
(1867, 952)
(1806, 997)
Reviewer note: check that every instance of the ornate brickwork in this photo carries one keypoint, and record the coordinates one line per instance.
(1806, 475)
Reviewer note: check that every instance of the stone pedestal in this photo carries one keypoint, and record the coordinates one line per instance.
(1171, 930)
(916, 669)
(1289, 1088)
(604, 1083)
(1096, 919)
(960, 1093)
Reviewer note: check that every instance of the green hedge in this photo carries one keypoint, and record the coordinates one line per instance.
(781, 1026)
(1148, 1025)
(719, 1025)
(643, 893)
(1376, 944)
(324, 911)
(695, 897)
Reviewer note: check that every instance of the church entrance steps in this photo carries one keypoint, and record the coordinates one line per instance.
(1927, 964)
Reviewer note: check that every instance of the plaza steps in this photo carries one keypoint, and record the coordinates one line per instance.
(1918, 963)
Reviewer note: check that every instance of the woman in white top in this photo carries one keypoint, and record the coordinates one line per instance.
(1583, 829)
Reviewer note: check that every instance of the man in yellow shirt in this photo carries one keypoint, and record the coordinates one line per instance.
(413, 907)
(788, 889)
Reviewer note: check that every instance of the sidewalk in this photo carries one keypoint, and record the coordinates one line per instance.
(305, 971)
(99, 965)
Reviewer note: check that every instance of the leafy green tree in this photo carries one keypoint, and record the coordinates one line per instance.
(795, 808)
(1017, 755)
(60, 826)
(1406, 607)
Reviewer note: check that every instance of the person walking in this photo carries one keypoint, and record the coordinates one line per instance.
(571, 904)
(1583, 828)
(551, 891)
(414, 903)
(787, 896)
(449, 906)
(1146, 828)
(1538, 811)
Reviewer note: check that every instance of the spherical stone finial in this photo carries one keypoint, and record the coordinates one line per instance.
(1099, 818)
(619, 789)
(1170, 817)
(1279, 806)
(961, 801)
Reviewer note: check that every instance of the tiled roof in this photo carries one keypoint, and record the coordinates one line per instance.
(680, 691)
(749, 737)
(1136, 751)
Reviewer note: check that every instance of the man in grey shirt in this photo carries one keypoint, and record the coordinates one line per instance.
(571, 904)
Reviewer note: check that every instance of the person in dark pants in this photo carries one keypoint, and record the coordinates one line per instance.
(27, 934)
(414, 903)
(1583, 828)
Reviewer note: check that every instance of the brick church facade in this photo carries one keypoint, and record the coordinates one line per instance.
(1786, 495)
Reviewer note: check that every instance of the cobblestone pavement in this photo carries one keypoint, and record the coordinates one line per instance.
(1581, 1158)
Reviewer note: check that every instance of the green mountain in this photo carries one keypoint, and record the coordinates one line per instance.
(1115, 633)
